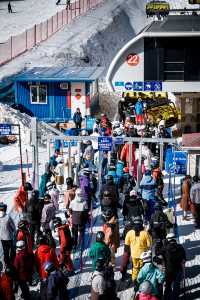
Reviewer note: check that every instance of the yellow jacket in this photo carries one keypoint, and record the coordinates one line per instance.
(138, 244)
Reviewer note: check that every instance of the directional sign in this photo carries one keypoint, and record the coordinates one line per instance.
(128, 86)
(105, 143)
(156, 86)
(119, 141)
(5, 129)
(138, 86)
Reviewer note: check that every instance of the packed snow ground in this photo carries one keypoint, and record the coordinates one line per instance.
(25, 14)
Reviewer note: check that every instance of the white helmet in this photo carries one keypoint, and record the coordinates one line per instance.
(146, 256)
(171, 236)
(20, 245)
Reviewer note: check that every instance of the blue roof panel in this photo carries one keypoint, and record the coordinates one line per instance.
(61, 74)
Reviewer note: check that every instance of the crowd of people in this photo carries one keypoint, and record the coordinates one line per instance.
(54, 220)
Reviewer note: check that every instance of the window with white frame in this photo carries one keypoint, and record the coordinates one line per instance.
(38, 94)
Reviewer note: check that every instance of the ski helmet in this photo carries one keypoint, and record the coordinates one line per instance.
(57, 222)
(145, 287)
(3, 206)
(49, 267)
(22, 224)
(69, 181)
(20, 245)
(100, 236)
(28, 186)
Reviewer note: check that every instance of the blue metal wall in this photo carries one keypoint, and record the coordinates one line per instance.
(56, 108)
(41, 111)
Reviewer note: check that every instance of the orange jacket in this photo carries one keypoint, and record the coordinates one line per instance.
(20, 199)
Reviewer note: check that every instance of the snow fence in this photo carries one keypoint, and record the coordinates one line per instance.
(20, 43)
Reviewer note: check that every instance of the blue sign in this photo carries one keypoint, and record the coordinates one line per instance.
(181, 162)
(129, 86)
(5, 129)
(105, 143)
(119, 83)
(148, 86)
(138, 86)
(119, 141)
(156, 86)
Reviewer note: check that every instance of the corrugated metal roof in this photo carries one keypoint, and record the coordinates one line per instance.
(61, 74)
(191, 140)
(176, 24)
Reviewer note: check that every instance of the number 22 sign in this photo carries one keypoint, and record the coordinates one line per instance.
(133, 59)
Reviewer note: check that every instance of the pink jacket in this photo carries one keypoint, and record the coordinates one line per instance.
(143, 296)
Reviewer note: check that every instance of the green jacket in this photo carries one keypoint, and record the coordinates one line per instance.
(99, 250)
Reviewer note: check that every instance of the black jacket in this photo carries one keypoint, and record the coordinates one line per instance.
(132, 208)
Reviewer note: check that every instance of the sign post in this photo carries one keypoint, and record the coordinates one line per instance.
(6, 129)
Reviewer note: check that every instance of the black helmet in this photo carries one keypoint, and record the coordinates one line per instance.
(69, 181)
(28, 186)
(137, 220)
(22, 224)
(108, 214)
(106, 193)
(3, 206)
(100, 236)
(89, 142)
(57, 222)
(41, 240)
(35, 194)
(49, 267)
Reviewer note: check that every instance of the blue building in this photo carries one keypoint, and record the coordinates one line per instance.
(53, 94)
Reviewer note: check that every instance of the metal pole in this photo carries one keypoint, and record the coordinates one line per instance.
(139, 168)
(161, 156)
(130, 159)
(69, 160)
(48, 148)
(20, 152)
(35, 152)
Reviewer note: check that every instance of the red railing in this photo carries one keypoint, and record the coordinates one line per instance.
(20, 43)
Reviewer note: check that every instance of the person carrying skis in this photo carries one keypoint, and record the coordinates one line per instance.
(7, 232)
(21, 197)
(99, 249)
(65, 242)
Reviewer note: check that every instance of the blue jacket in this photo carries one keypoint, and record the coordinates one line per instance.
(153, 274)
(56, 286)
(139, 108)
(114, 175)
(148, 187)
(120, 169)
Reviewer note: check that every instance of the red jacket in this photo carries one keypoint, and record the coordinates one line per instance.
(25, 236)
(124, 156)
(43, 254)
(6, 287)
(24, 264)
(142, 296)
(65, 238)
(20, 199)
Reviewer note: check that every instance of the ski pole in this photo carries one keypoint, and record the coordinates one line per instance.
(27, 162)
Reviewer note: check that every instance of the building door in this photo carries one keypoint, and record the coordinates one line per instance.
(78, 98)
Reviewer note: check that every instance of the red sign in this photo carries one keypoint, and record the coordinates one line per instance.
(133, 59)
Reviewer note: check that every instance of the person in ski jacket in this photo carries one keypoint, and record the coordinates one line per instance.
(65, 242)
(137, 241)
(112, 172)
(23, 234)
(21, 196)
(110, 187)
(145, 291)
(148, 189)
(85, 186)
(7, 278)
(139, 111)
(108, 202)
(48, 212)
(195, 199)
(54, 193)
(46, 177)
(111, 231)
(7, 232)
(175, 258)
(159, 223)
(77, 118)
(43, 254)
(99, 250)
(154, 274)
(55, 286)
(52, 162)
(185, 200)
(70, 192)
(24, 265)
(78, 209)
(132, 206)
(124, 156)
(33, 213)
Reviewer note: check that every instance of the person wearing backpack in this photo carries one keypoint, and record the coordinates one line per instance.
(77, 118)
(99, 249)
(175, 259)
(66, 243)
(103, 285)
